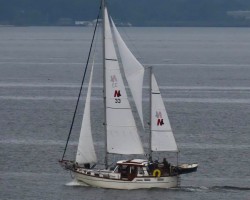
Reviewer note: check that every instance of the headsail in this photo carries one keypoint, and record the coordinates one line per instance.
(122, 135)
(134, 71)
(162, 138)
(85, 151)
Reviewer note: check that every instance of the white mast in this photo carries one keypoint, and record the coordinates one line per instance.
(104, 82)
(150, 114)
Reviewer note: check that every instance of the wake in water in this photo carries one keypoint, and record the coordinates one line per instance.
(230, 188)
(191, 189)
(213, 188)
(75, 182)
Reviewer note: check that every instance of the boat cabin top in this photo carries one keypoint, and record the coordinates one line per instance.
(134, 162)
(129, 169)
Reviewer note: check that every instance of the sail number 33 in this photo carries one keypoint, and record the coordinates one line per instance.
(117, 100)
(117, 94)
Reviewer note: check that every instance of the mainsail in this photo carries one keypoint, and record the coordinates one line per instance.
(122, 135)
(86, 152)
(162, 138)
(134, 71)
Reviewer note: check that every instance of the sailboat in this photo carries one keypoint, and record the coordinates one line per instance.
(121, 132)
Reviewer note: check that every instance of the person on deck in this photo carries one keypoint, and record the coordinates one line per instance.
(166, 165)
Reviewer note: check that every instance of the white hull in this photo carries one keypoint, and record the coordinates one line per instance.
(136, 183)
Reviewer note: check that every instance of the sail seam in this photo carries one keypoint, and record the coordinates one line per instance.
(165, 150)
(119, 108)
(119, 126)
(111, 59)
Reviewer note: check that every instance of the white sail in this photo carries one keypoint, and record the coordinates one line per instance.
(162, 138)
(122, 135)
(85, 151)
(134, 71)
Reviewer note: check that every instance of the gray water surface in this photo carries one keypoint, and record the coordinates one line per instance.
(204, 75)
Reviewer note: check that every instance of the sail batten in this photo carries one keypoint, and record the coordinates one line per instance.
(162, 138)
(122, 134)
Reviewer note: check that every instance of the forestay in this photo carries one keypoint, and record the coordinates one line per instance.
(134, 71)
(162, 138)
(122, 136)
(86, 152)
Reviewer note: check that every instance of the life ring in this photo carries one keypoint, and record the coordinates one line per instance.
(158, 172)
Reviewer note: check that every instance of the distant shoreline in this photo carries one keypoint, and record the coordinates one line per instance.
(191, 26)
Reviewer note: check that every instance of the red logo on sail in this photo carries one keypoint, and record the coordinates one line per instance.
(160, 122)
(159, 118)
(117, 93)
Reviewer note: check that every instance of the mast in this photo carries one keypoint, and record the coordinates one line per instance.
(104, 84)
(150, 114)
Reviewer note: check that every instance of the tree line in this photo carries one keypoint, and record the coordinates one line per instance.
(136, 12)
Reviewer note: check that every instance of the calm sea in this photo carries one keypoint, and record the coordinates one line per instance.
(204, 75)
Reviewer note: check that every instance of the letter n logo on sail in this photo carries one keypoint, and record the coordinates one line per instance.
(158, 115)
(160, 122)
(117, 93)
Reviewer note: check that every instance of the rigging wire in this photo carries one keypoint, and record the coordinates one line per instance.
(84, 74)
